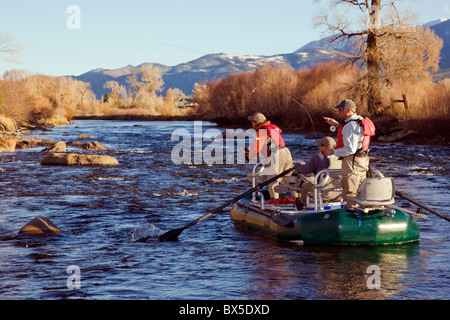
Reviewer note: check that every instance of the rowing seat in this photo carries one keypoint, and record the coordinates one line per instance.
(376, 192)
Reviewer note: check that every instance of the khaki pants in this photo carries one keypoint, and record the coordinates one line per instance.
(354, 171)
(283, 162)
(308, 187)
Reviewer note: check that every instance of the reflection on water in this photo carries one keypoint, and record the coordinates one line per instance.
(102, 210)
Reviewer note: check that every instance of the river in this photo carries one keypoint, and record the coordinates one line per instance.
(100, 210)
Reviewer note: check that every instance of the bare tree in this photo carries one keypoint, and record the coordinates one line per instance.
(148, 81)
(152, 77)
(145, 84)
(118, 92)
(84, 93)
(410, 53)
(383, 42)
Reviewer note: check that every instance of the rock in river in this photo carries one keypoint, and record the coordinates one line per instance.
(40, 225)
(73, 159)
(59, 146)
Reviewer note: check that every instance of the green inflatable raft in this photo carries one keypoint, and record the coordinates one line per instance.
(375, 222)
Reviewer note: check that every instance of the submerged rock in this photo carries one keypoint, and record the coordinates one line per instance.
(95, 145)
(73, 159)
(85, 136)
(40, 225)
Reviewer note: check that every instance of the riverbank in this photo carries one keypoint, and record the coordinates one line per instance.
(389, 130)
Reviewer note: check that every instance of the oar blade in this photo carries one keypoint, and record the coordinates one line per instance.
(171, 235)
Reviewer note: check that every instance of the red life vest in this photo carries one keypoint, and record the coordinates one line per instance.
(368, 131)
(274, 133)
(271, 138)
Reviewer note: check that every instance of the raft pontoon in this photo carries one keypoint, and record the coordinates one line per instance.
(325, 220)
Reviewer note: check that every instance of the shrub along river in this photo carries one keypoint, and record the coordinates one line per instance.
(100, 211)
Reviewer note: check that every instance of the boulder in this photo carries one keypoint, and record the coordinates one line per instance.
(73, 159)
(94, 146)
(40, 225)
(60, 146)
(394, 137)
(76, 144)
(33, 143)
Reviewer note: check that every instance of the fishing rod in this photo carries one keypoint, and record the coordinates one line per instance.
(293, 99)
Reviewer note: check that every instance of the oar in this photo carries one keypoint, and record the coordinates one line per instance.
(172, 235)
(398, 193)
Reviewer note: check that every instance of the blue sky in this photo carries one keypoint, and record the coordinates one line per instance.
(114, 33)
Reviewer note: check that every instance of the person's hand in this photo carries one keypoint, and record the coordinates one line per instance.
(331, 121)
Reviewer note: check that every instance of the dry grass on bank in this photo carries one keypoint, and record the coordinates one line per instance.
(289, 97)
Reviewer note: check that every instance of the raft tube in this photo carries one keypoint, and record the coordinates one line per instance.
(330, 227)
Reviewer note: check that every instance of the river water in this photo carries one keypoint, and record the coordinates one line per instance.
(100, 210)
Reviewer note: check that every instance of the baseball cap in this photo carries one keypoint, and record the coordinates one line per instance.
(346, 104)
(257, 117)
(328, 142)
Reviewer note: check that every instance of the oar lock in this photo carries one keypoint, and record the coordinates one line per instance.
(390, 213)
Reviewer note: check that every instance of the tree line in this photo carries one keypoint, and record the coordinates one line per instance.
(29, 99)
(297, 99)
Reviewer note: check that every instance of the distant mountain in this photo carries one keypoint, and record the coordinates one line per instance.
(442, 30)
(213, 66)
(434, 22)
(208, 67)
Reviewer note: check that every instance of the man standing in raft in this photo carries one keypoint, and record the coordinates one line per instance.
(270, 149)
(352, 148)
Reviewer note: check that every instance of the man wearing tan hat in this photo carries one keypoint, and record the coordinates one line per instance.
(355, 159)
(269, 148)
(316, 163)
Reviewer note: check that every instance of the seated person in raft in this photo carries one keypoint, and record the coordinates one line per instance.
(319, 161)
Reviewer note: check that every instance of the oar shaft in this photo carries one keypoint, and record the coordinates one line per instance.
(398, 193)
(241, 196)
(173, 234)
(420, 215)
(280, 220)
